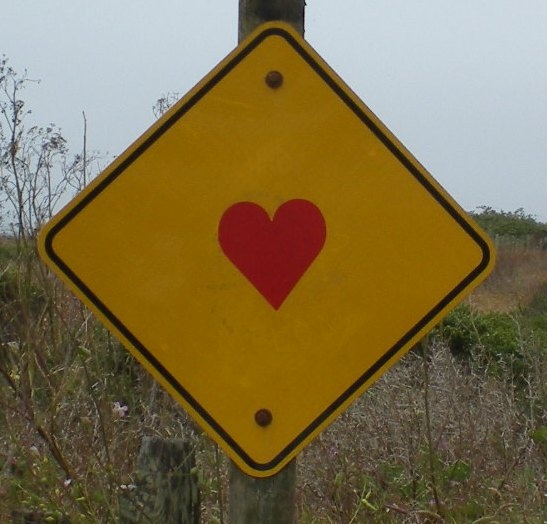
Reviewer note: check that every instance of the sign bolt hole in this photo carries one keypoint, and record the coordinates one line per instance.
(274, 79)
(263, 417)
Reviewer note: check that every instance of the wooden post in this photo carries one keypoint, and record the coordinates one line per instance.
(252, 13)
(265, 500)
(166, 487)
(268, 500)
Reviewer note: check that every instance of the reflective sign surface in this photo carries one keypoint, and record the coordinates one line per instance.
(267, 249)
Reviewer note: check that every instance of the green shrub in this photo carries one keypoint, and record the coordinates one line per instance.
(465, 330)
(498, 340)
(515, 224)
(535, 315)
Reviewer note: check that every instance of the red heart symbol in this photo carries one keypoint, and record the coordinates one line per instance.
(272, 254)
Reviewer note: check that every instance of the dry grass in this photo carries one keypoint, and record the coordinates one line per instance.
(435, 440)
(432, 441)
(518, 275)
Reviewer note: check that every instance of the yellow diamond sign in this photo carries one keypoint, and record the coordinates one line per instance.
(267, 249)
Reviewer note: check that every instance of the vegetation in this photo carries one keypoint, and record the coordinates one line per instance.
(513, 225)
(457, 432)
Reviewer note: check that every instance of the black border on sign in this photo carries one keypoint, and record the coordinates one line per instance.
(400, 155)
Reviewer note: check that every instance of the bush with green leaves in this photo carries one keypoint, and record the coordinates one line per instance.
(509, 223)
(536, 315)
(465, 329)
(495, 337)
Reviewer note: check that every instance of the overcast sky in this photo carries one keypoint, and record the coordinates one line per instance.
(462, 83)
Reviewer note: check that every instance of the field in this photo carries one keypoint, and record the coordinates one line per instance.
(456, 432)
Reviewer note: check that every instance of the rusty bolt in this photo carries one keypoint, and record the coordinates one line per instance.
(274, 79)
(263, 417)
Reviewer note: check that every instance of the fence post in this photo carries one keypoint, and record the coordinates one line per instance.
(165, 488)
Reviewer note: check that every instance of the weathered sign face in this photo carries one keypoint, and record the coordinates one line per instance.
(267, 249)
